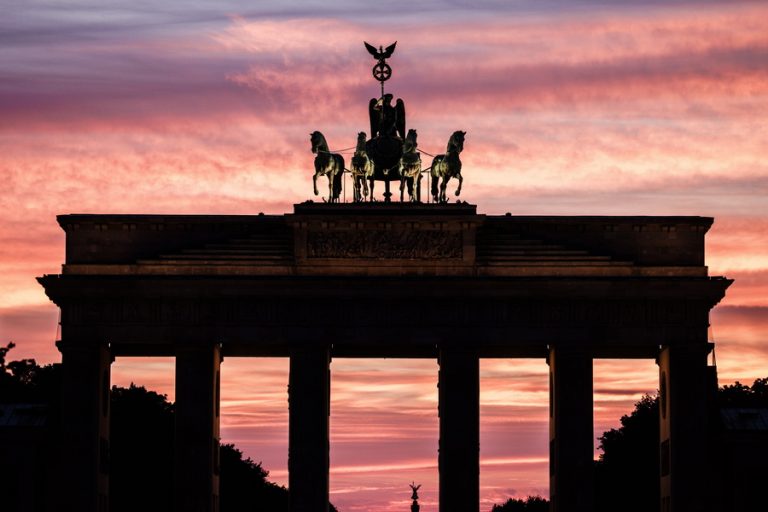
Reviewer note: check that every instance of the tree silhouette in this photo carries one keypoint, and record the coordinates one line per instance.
(141, 478)
(739, 395)
(244, 484)
(627, 474)
(24, 381)
(141, 446)
(141, 451)
(530, 504)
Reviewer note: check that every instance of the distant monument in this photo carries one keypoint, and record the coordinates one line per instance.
(415, 497)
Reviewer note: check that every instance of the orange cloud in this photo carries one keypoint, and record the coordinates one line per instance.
(612, 111)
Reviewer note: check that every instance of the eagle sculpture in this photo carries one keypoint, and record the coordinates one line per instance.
(381, 53)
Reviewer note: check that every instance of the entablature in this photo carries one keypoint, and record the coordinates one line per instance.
(385, 239)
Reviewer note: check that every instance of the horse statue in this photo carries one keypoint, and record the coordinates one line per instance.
(447, 166)
(327, 164)
(362, 169)
(410, 168)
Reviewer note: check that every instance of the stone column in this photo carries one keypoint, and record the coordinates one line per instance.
(196, 456)
(308, 445)
(459, 446)
(571, 431)
(683, 427)
(84, 474)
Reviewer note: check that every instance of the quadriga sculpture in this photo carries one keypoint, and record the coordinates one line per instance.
(447, 166)
(362, 169)
(410, 168)
(327, 164)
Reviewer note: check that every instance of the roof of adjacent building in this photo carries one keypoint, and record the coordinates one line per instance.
(742, 418)
(23, 415)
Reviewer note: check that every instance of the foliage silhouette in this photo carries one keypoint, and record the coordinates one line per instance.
(627, 474)
(530, 504)
(141, 445)
(739, 395)
(142, 432)
(141, 451)
(24, 381)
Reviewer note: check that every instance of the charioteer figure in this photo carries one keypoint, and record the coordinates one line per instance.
(387, 120)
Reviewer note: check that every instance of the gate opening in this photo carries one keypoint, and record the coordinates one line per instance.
(384, 434)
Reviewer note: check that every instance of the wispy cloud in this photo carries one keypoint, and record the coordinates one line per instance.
(571, 107)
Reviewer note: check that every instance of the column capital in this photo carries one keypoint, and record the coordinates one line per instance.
(81, 345)
(684, 350)
(193, 349)
(299, 348)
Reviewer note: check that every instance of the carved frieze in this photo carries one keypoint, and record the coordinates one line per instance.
(408, 245)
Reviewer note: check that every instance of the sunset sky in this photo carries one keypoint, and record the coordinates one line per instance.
(570, 108)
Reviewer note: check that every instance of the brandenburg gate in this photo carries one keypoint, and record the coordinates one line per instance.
(384, 280)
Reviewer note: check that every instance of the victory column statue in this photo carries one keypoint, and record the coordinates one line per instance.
(415, 497)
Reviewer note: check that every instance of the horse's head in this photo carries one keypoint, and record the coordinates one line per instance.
(409, 146)
(318, 141)
(456, 142)
(361, 141)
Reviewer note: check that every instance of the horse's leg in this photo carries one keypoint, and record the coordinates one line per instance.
(402, 187)
(330, 187)
(338, 185)
(461, 180)
(362, 188)
(373, 184)
(417, 187)
(443, 186)
(314, 181)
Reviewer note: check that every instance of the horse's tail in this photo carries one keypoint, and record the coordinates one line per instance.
(435, 171)
(338, 178)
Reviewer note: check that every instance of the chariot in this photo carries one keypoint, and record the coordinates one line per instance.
(390, 154)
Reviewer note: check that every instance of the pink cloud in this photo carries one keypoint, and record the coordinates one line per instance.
(623, 111)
